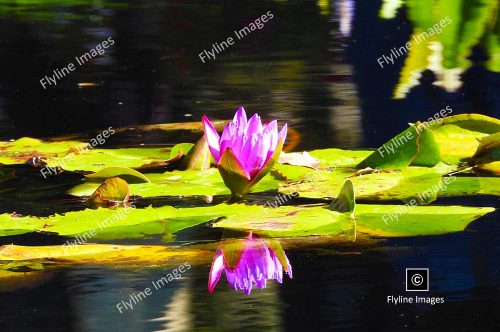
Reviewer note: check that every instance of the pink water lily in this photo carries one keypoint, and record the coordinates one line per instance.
(246, 150)
(255, 263)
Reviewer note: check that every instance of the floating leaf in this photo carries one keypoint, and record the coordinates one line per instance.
(119, 223)
(96, 159)
(26, 148)
(449, 140)
(487, 156)
(375, 220)
(112, 191)
(181, 183)
(181, 149)
(125, 173)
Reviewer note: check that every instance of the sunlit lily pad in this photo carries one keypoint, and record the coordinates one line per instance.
(23, 149)
(128, 174)
(111, 191)
(181, 183)
(448, 140)
(375, 220)
(104, 223)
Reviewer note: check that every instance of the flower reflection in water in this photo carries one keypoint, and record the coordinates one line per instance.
(249, 262)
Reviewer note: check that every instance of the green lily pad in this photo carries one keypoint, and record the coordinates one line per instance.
(76, 155)
(181, 183)
(12, 224)
(104, 223)
(375, 220)
(128, 174)
(449, 140)
(25, 148)
(487, 156)
(111, 191)
(96, 159)
(421, 183)
(182, 148)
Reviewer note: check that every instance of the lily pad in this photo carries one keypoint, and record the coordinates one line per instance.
(111, 191)
(487, 156)
(449, 140)
(422, 183)
(104, 223)
(25, 148)
(96, 159)
(288, 221)
(128, 174)
(180, 183)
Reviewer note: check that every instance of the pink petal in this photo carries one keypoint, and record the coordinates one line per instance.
(215, 271)
(272, 129)
(227, 138)
(282, 134)
(255, 159)
(212, 138)
(254, 125)
(240, 118)
(246, 151)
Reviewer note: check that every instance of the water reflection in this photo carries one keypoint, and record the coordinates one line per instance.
(249, 262)
(447, 51)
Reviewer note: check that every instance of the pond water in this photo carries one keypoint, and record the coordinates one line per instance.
(313, 65)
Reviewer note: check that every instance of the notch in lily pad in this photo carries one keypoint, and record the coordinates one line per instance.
(345, 201)
(111, 192)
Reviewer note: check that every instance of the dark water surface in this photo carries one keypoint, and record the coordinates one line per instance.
(313, 65)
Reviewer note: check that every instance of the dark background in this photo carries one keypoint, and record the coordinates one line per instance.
(300, 69)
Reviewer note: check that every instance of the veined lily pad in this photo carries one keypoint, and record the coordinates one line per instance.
(104, 223)
(449, 140)
(375, 220)
(421, 183)
(180, 183)
(97, 159)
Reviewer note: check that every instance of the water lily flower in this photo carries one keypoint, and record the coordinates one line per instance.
(249, 262)
(246, 151)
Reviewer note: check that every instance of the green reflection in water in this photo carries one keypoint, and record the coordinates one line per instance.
(446, 52)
